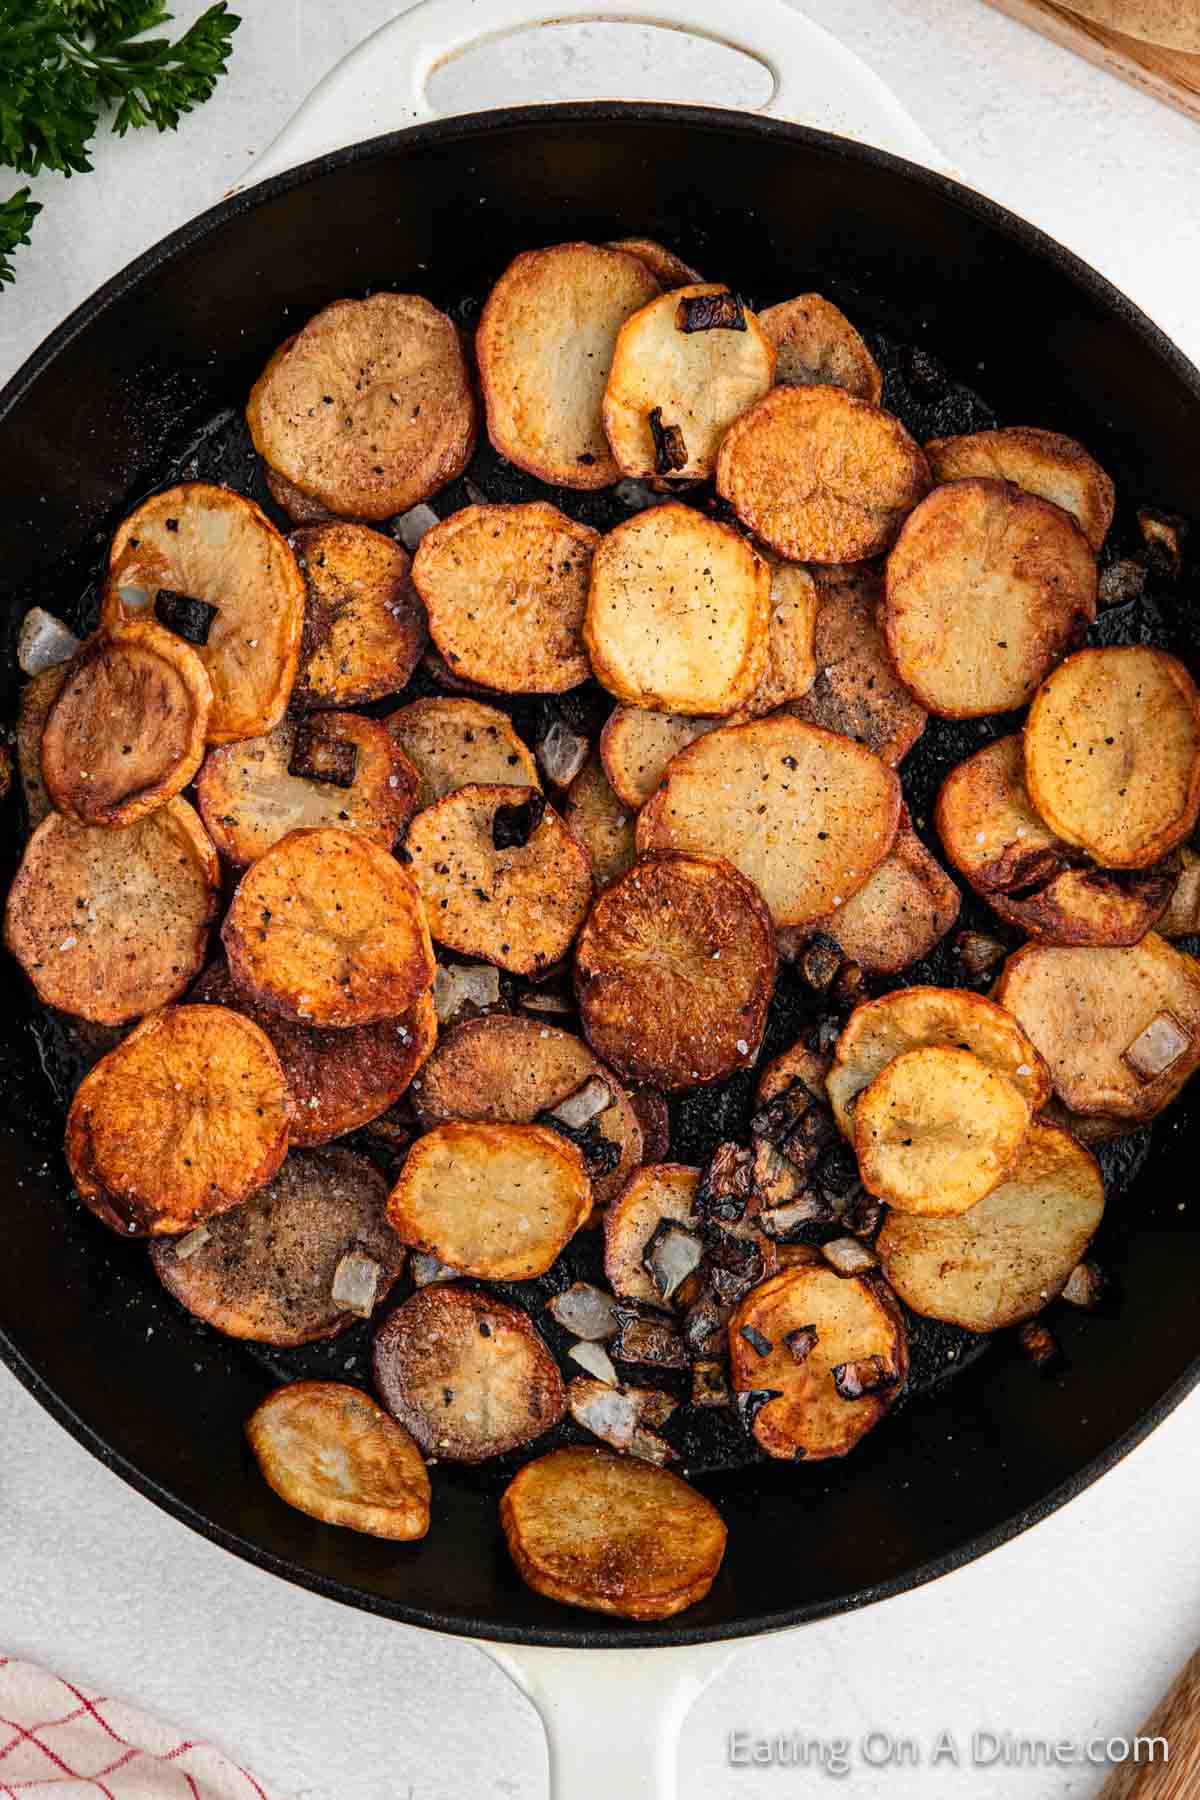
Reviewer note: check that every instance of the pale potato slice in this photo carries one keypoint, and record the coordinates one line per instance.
(987, 588)
(653, 1193)
(545, 342)
(603, 824)
(1112, 754)
(791, 662)
(518, 907)
(37, 698)
(361, 782)
(662, 263)
(674, 971)
(800, 1062)
(855, 1321)
(466, 1374)
(364, 625)
(856, 690)
(506, 588)
(497, 1201)
(899, 914)
(184, 1119)
(1012, 1253)
(804, 815)
(1086, 1009)
(214, 546)
(637, 744)
(300, 507)
(612, 1534)
(451, 742)
(111, 924)
(329, 1451)
(369, 408)
(681, 373)
(328, 929)
(816, 345)
(1042, 462)
(1182, 916)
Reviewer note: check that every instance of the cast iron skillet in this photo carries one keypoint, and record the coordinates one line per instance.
(109, 405)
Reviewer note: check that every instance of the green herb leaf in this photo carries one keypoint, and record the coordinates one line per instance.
(16, 216)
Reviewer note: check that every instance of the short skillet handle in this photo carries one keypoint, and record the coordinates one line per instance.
(1176, 1776)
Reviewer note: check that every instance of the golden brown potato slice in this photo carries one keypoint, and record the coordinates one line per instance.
(111, 924)
(817, 346)
(791, 663)
(544, 344)
(1002, 1261)
(364, 625)
(799, 1063)
(1119, 1028)
(858, 1332)
(674, 971)
(37, 698)
(678, 613)
(613, 1534)
(369, 408)
(328, 929)
(300, 507)
(636, 745)
(349, 773)
(518, 905)
(506, 588)
(685, 365)
(898, 915)
(451, 742)
(856, 691)
(603, 824)
(185, 1118)
(804, 815)
(653, 1193)
(329, 1451)
(210, 546)
(662, 263)
(466, 1374)
(1182, 917)
(986, 589)
(497, 1201)
(1042, 462)
(1112, 754)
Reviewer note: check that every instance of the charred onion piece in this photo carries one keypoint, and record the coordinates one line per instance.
(318, 757)
(978, 953)
(710, 1384)
(801, 1343)
(710, 312)
(732, 1265)
(757, 1340)
(513, 826)
(621, 1416)
(672, 1253)
(670, 451)
(750, 1402)
(561, 752)
(189, 618)
(645, 1340)
(1122, 581)
(1085, 1285)
(726, 1184)
(704, 1325)
(783, 1223)
(821, 962)
(855, 1380)
(1038, 1342)
(586, 1311)
(1163, 534)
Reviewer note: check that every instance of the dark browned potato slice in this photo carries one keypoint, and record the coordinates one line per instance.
(466, 1374)
(1112, 754)
(799, 1063)
(111, 924)
(185, 1118)
(300, 507)
(519, 907)
(329, 1451)
(369, 408)
(37, 697)
(653, 1193)
(636, 745)
(856, 691)
(655, 1121)
(1042, 462)
(986, 589)
(452, 742)
(497, 1201)
(364, 625)
(816, 345)
(1002, 1261)
(898, 915)
(674, 971)
(328, 929)
(506, 588)
(603, 824)
(1182, 917)
(544, 344)
(248, 799)
(855, 1320)
(213, 545)
(662, 263)
(611, 1533)
(791, 664)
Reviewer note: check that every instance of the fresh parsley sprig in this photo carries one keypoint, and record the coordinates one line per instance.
(16, 216)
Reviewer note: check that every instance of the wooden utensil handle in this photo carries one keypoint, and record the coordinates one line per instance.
(1175, 1776)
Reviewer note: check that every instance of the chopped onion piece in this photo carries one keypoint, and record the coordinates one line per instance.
(562, 753)
(44, 642)
(596, 1360)
(671, 1255)
(617, 1416)
(645, 1340)
(426, 1267)
(195, 1240)
(584, 1105)
(456, 985)
(638, 495)
(586, 1311)
(356, 1283)
(978, 953)
(546, 1003)
(1154, 1050)
(855, 1380)
(1038, 1343)
(709, 1384)
(848, 1256)
(1085, 1285)
(411, 526)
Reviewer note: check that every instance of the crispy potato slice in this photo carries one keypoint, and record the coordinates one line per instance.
(1085, 1009)
(675, 372)
(655, 1192)
(518, 907)
(612, 1534)
(1042, 462)
(185, 1118)
(899, 914)
(300, 507)
(111, 924)
(545, 342)
(803, 814)
(674, 971)
(497, 1201)
(1002, 1261)
(986, 589)
(637, 744)
(662, 263)
(791, 663)
(817, 346)
(506, 588)
(799, 1063)
(453, 742)
(249, 800)
(364, 625)
(215, 546)
(603, 824)
(1182, 916)
(328, 929)
(37, 698)
(1112, 754)
(856, 691)
(855, 1320)
(329, 1451)
(369, 408)
(678, 613)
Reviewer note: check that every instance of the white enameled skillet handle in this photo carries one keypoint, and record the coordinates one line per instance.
(382, 85)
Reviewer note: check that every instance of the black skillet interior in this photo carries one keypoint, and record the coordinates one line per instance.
(970, 310)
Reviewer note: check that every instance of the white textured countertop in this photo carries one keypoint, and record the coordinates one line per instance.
(1069, 1632)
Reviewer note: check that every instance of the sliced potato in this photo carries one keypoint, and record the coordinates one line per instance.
(364, 625)
(898, 915)
(451, 742)
(1005, 1258)
(662, 263)
(653, 1193)
(37, 698)
(466, 1374)
(987, 588)
(300, 507)
(1112, 754)
(798, 1063)
(603, 824)
(856, 690)
(612, 1534)
(637, 744)
(1182, 917)
(328, 929)
(184, 1119)
(111, 924)
(1042, 462)
(816, 346)
(329, 1451)
(791, 664)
